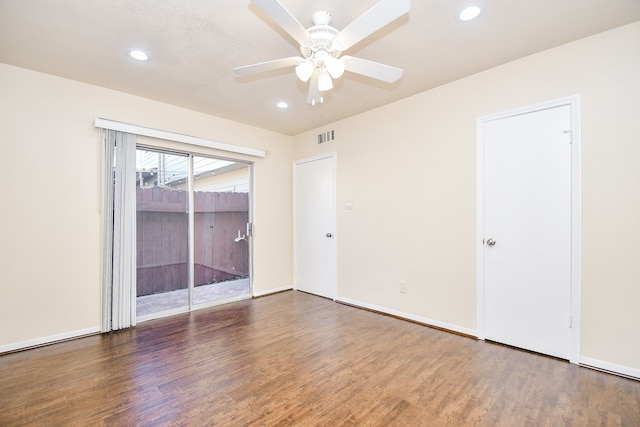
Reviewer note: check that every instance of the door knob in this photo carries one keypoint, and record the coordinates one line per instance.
(491, 242)
(329, 235)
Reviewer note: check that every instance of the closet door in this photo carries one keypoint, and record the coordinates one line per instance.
(527, 230)
(315, 245)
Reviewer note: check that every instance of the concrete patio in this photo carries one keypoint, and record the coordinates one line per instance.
(150, 304)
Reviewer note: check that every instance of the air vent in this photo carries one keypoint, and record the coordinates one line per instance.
(326, 136)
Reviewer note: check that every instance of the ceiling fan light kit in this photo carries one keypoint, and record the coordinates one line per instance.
(305, 69)
(324, 80)
(321, 46)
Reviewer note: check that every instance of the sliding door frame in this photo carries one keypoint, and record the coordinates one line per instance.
(191, 154)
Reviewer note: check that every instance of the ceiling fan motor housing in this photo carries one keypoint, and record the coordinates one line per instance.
(322, 37)
(320, 52)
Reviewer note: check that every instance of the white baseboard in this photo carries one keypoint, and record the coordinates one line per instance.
(272, 291)
(408, 316)
(49, 340)
(611, 367)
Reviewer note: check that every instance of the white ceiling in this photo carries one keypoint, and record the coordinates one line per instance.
(195, 44)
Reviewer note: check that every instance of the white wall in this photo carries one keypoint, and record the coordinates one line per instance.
(409, 168)
(50, 221)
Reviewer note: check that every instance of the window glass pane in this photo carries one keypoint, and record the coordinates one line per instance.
(221, 214)
(162, 232)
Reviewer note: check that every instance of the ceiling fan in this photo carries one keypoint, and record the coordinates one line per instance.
(321, 46)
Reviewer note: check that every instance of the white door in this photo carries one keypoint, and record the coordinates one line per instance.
(315, 226)
(527, 230)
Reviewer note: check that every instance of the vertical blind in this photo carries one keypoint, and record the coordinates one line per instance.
(119, 283)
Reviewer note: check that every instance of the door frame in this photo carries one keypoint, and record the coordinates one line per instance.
(296, 163)
(576, 216)
(190, 154)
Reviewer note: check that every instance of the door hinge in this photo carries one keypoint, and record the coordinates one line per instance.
(570, 322)
(249, 229)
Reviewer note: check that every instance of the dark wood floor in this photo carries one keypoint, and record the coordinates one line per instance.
(297, 359)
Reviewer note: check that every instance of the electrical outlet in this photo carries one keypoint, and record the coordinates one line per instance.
(403, 287)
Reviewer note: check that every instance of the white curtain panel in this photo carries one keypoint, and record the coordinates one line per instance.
(119, 288)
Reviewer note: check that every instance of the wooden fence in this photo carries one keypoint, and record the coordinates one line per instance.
(162, 238)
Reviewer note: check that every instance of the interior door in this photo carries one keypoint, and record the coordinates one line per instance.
(314, 225)
(527, 230)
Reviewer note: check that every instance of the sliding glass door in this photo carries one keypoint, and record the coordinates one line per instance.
(192, 219)
(221, 215)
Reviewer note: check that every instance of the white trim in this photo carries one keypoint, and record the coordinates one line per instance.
(408, 316)
(251, 226)
(576, 228)
(272, 291)
(610, 367)
(191, 238)
(568, 100)
(314, 158)
(576, 215)
(49, 340)
(177, 137)
(480, 229)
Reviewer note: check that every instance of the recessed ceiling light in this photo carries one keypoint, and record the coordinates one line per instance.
(139, 55)
(282, 105)
(469, 12)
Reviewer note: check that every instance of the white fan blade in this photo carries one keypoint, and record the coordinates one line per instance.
(375, 70)
(373, 19)
(282, 17)
(268, 66)
(314, 97)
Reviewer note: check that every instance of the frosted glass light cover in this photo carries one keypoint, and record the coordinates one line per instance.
(335, 67)
(324, 81)
(305, 69)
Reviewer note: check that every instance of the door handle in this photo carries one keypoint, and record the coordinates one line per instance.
(490, 241)
(329, 235)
